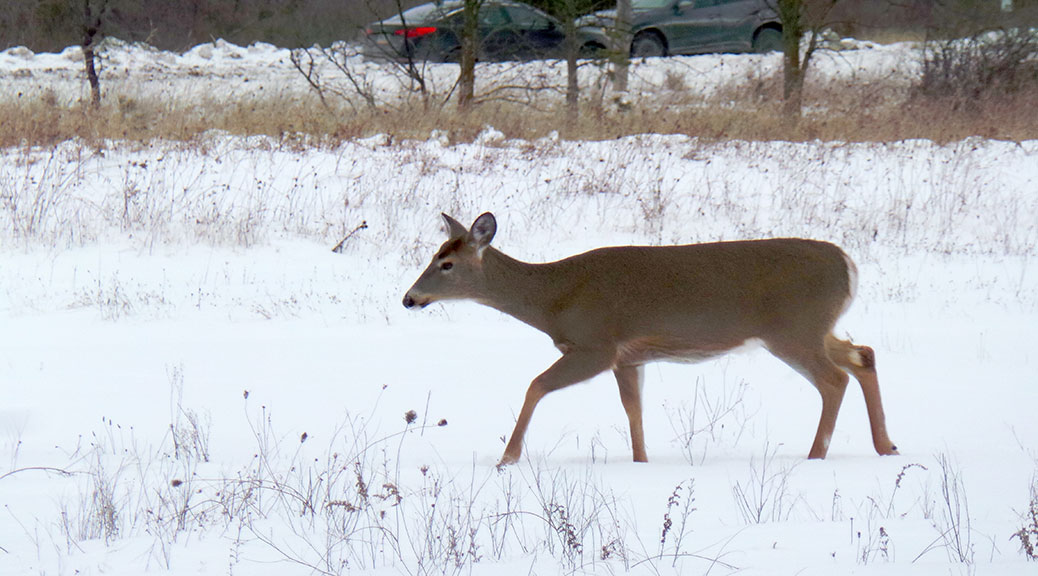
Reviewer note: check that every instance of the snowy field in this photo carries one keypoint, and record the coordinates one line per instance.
(193, 382)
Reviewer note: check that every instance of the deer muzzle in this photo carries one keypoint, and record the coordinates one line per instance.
(411, 302)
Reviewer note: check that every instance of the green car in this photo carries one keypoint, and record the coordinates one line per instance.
(670, 27)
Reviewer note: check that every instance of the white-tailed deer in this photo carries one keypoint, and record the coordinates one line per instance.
(619, 308)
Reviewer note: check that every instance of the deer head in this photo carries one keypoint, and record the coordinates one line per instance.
(456, 271)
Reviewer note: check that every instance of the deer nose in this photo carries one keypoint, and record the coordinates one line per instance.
(408, 301)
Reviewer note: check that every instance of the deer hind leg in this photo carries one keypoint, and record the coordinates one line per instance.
(861, 362)
(827, 378)
(630, 380)
(574, 366)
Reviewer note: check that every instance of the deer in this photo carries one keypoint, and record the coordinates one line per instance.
(619, 308)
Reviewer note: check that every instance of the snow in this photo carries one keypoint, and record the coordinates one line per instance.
(173, 321)
(213, 71)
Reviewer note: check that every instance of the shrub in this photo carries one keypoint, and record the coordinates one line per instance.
(1028, 533)
(969, 70)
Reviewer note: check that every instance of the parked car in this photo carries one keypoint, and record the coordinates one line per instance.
(507, 31)
(668, 27)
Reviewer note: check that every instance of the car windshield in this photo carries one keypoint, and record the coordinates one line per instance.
(418, 15)
(650, 4)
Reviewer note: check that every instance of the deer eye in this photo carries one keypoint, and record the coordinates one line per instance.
(446, 266)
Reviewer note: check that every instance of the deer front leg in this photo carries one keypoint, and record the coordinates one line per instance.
(576, 365)
(630, 380)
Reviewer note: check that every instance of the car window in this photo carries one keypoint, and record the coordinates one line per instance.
(417, 15)
(526, 18)
(493, 16)
(650, 4)
(490, 16)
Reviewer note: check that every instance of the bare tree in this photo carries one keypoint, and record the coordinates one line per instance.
(799, 17)
(401, 57)
(412, 68)
(568, 11)
(469, 46)
(572, 77)
(92, 33)
(621, 54)
(305, 62)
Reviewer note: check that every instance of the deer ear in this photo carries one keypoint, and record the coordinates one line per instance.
(483, 230)
(455, 229)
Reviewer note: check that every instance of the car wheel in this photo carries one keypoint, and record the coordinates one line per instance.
(647, 45)
(767, 40)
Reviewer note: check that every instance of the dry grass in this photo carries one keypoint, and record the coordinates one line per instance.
(749, 110)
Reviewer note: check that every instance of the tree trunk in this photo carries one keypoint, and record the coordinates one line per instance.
(469, 45)
(572, 80)
(792, 67)
(622, 50)
(792, 79)
(91, 28)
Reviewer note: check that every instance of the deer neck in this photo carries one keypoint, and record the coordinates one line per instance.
(519, 289)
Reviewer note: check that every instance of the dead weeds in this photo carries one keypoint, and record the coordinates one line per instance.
(748, 110)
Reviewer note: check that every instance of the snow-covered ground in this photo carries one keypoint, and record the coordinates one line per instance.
(213, 72)
(191, 380)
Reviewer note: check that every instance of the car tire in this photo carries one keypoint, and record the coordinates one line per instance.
(767, 40)
(648, 45)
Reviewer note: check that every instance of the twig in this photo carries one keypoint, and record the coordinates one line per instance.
(338, 247)
(61, 471)
(309, 72)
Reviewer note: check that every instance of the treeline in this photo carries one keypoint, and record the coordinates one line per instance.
(50, 25)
